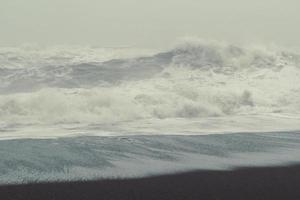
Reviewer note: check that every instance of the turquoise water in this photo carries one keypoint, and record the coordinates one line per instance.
(31, 160)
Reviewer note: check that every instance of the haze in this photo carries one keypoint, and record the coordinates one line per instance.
(147, 23)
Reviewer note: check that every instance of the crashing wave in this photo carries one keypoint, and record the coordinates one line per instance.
(192, 81)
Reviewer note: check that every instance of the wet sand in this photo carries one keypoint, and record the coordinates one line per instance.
(261, 183)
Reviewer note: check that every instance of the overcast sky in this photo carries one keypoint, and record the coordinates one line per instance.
(148, 23)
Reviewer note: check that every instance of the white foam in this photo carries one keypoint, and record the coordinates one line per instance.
(221, 86)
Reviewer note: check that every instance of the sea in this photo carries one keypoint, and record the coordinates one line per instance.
(88, 112)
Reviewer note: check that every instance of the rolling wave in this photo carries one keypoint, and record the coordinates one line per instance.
(195, 80)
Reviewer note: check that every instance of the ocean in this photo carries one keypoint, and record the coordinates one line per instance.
(84, 113)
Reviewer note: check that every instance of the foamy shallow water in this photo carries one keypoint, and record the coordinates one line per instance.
(88, 158)
(196, 126)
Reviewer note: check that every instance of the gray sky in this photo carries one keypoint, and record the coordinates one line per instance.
(148, 23)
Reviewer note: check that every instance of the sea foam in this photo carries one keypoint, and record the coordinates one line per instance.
(116, 90)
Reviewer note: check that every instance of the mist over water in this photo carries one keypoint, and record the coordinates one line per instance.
(195, 87)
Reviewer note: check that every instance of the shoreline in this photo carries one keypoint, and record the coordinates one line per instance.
(244, 183)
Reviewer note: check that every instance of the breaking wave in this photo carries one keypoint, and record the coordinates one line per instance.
(195, 80)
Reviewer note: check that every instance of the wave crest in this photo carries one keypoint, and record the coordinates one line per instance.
(194, 80)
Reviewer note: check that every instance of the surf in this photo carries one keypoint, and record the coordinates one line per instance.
(194, 88)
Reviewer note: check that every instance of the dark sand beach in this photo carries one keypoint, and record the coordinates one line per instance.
(259, 183)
